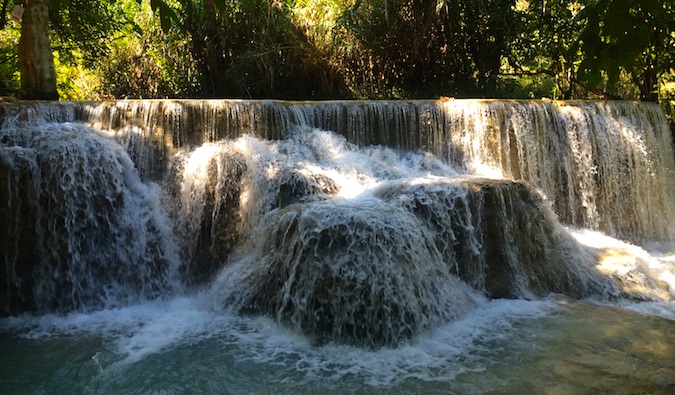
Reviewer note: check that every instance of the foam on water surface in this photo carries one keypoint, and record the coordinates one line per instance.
(131, 334)
(184, 345)
(350, 233)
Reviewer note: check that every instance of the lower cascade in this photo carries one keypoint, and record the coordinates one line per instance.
(80, 229)
(338, 240)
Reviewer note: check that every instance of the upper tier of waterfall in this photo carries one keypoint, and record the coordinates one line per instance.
(606, 166)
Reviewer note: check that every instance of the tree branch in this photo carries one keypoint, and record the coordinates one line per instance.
(3, 16)
(599, 92)
(573, 80)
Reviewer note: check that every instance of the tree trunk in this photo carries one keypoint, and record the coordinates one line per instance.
(36, 64)
(209, 10)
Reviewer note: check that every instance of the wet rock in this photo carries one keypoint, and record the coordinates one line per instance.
(294, 187)
(78, 230)
(664, 378)
(362, 274)
(207, 210)
(501, 237)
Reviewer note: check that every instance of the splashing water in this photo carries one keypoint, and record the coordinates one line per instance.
(82, 227)
(312, 263)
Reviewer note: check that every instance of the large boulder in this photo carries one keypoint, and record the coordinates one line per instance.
(217, 198)
(378, 269)
(500, 237)
(363, 273)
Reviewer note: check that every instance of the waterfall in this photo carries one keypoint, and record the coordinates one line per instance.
(352, 222)
(80, 230)
(606, 166)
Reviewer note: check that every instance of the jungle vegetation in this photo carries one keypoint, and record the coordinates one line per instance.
(361, 49)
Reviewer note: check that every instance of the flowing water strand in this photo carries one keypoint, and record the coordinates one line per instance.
(328, 221)
(99, 233)
(580, 154)
(314, 244)
(207, 213)
(29, 113)
(18, 171)
(600, 164)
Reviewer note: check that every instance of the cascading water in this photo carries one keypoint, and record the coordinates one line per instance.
(271, 237)
(81, 230)
(605, 166)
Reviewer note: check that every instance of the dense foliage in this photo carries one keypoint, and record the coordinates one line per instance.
(306, 49)
(637, 37)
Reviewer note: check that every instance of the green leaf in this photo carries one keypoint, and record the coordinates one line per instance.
(167, 16)
(153, 55)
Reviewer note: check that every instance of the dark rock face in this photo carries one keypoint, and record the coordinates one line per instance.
(499, 236)
(218, 226)
(526, 250)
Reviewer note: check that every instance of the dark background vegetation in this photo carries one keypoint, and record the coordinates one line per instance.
(355, 49)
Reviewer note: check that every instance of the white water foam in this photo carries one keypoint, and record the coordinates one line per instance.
(137, 332)
(472, 343)
(634, 266)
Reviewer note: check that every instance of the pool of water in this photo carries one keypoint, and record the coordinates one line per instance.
(182, 345)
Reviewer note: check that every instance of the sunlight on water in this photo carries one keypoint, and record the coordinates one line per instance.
(639, 271)
(220, 261)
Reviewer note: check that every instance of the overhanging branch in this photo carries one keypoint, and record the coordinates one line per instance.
(3, 16)
(572, 80)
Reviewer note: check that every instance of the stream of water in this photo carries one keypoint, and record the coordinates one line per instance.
(489, 248)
